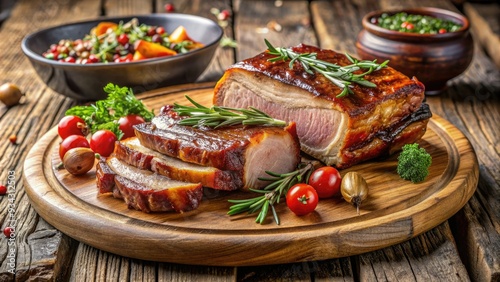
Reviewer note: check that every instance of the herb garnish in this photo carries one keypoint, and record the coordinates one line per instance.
(272, 193)
(216, 116)
(104, 114)
(341, 76)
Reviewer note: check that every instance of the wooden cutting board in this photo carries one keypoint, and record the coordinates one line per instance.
(395, 210)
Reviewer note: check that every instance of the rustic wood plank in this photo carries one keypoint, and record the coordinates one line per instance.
(430, 257)
(177, 272)
(287, 24)
(127, 7)
(484, 22)
(333, 270)
(269, 273)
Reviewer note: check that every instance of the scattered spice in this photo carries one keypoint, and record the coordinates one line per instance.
(169, 8)
(13, 139)
(8, 231)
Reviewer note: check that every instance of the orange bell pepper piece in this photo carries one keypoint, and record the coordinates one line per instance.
(103, 27)
(152, 50)
(138, 56)
(179, 35)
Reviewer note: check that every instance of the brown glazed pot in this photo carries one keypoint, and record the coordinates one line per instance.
(432, 58)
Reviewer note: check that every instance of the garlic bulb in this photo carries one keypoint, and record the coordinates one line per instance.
(354, 188)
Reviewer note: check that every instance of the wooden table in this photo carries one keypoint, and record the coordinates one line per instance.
(464, 248)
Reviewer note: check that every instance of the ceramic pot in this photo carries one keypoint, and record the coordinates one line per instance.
(431, 58)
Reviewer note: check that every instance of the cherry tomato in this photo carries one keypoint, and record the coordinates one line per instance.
(70, 142)
(122, 39)
(326, 180)
(102, 142)
(410, 26)
(302, 199)
(160, 30)
(3, 190)
(126, 125)
(71, 125)
(441, 31)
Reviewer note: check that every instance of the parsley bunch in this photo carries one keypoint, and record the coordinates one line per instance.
(104, 114)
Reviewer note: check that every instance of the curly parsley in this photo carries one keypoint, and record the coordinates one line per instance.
(104, 114)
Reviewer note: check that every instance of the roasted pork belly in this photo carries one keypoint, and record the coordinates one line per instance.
(249, 151)
(133, 153)
(144, 190)
(344, 131)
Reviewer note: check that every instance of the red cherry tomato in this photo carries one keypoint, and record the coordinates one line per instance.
(326, 180)
(122, 39)
(160, 30)
(70, 142)
(441, 31)
(3, 190)
(102, 142)
(302, 199)
(126, 125)
(71, 125)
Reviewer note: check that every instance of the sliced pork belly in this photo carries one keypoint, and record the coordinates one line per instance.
(133, 153)
(338, 131)
(146, 191)
(248, 151)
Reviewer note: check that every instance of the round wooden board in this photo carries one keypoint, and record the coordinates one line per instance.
(395, 211)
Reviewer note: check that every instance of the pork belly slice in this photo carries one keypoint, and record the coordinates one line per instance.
(338, 131)
(133, 153)
(247, 151)
(144, 190)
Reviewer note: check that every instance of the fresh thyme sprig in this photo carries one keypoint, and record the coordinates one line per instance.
(341, 76)
(271, 194)
(217, 116)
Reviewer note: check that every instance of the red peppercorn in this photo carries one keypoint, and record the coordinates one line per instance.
(8, 231)
(122, 39)
(13, 139)
(442, 30)
(169, 8)
(3, 190)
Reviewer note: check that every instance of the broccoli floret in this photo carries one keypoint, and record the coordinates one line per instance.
(414, 163)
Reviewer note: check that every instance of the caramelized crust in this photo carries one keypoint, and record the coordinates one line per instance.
(368, 123)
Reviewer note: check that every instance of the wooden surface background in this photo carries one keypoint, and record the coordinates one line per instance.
(466, 247)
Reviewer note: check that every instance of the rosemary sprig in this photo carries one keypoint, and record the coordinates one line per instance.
(341, 76)
(217, 116)
(271, 194)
